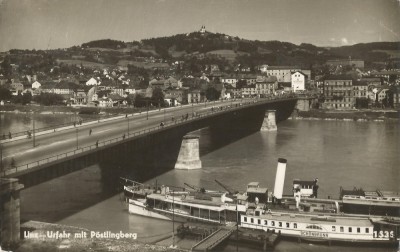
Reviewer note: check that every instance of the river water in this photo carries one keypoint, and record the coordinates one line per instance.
(338, 153)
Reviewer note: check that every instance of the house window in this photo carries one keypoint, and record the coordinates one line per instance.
(358, 230)
(251, 220)
(350, 229)
(272, 223)
(333, 229)
(294, 225)
(259, 222)
(245, 219)
(287, 224)
(280, 224)
(265, 222)
(341, 229)
(367, 230)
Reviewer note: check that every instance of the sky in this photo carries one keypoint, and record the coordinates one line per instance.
(51, 24)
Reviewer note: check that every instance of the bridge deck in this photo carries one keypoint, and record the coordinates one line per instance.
(52, 147)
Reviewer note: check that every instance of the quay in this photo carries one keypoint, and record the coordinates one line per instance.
(267, 240)
(214, 239)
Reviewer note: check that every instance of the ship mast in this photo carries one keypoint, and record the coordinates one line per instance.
(173, 219)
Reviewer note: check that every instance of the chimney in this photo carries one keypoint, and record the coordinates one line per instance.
(280, 179)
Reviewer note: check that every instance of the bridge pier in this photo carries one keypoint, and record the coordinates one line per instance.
(9, 212)
(269, 123)
(189, 157)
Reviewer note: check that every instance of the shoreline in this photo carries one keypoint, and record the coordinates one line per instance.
(356, 116)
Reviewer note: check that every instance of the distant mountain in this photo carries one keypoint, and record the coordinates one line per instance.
(248, 52)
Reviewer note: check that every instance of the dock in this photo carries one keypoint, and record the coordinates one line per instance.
(268, 240)
(214, 239)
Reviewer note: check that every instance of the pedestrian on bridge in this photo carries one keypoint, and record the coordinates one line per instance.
(97, 143)
(90, 132)
(9, 135)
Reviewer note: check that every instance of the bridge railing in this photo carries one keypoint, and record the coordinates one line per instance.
(184, 118)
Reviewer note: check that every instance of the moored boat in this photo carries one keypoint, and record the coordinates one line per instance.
(302, 215)
(186, 205)
(316, 219)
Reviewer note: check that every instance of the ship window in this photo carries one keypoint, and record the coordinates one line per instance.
(265, 222)
(259, 221)
(245, 219)
(294, 225)
(341, 229)
(358, 230)
(280, 224)
(287, 224)
(367, 230)
(350, 230)
(333, 229)
(272, 223)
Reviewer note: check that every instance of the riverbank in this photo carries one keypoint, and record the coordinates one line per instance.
(41, 236)
(352, 115)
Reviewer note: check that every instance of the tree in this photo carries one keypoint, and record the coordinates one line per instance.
(241, 84)
(6, 67)
(48, 99)
(26, 98)
(158, 96)
(5, 93)
(212, 94)
(140, 101)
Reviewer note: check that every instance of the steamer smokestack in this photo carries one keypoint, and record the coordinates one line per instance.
(280, 179)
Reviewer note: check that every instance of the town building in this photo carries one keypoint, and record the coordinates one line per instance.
(232, 80)
(383, 94)
(265, 85)
(194, 96)
(36, 85)
(249, 91)
(92, 81)
(16, 88)
(178, 95)
(396, 96)
(298, 81)
(81, 97)
(338, 93)
(282, 73)
(249, 78)
(360, 88)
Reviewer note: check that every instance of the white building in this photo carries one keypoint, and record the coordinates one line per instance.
(298, 81)
(36, 85)
(230, 80)
(92, 82)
